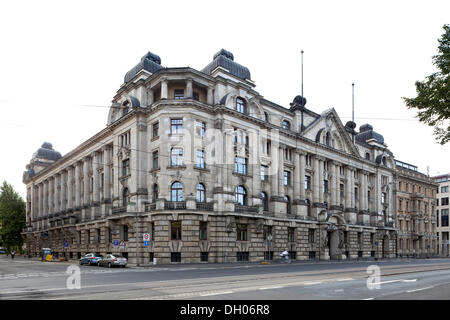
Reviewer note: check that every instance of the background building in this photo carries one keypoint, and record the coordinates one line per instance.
(214, 173)
(416, 220)
(442, 209)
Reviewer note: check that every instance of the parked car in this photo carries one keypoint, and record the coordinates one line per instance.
(113, 260)
(91, 259)
(2, 251)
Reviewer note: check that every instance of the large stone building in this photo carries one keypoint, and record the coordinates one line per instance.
(213, 172)
(442, 210)
(416, 220)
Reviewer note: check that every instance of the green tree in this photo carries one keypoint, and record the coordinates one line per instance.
(433, 94)
(12, 216)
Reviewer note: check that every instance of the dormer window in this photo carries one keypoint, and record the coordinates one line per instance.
(286, 125)
(367, 156)
(328, 139)
(384, 161)
(125, 108)
(240, 105)
(266, 116)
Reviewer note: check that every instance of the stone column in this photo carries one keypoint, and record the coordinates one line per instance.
(361, 190)
(45, 212)
(77, 187)
(106, 179)
(86, 182)
(189, 94)
(274, 170)
(296, 179)
(164, 89)
(210, 96)
(62, 195)
(348, 187)
(316, 181)
(95, 191)
(70, 188)
(150, 97)
(333, 187)
(41, 200)
(56, 199)
(321, 191)
(302, 176)
(338, 183)
(281, 191)
(352, 182)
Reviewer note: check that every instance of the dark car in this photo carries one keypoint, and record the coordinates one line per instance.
(113, 260)
(91, 259)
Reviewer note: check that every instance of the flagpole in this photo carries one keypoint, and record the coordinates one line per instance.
(353, 109)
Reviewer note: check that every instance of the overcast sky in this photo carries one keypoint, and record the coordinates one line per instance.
(60, 59)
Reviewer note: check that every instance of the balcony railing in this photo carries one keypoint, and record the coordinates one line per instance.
(119, 210)
(175, 205)
(204, 206)
(150, 207)
(241, 208)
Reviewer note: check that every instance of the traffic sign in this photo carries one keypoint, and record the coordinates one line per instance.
(115, 243)
(122, 244)
(146, 237)
(146, 243)
(66, 244)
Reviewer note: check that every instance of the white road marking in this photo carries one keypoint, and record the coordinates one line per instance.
(426, 288)
(268, 288)
(312, 283)
(369, 299)
(215, 294)
(338, 290)
(345, 279)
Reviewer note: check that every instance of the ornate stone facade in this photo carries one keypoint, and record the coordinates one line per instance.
(416, 220)
(215, 172)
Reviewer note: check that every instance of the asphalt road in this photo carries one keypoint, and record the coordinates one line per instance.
(399, 279)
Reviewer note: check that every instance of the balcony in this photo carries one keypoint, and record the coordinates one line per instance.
(150, 207)
(175, 205)
(203, 206)
(119, 210)
(241, 208)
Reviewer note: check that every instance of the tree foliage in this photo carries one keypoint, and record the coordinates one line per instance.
(12, 216)
(433, 94)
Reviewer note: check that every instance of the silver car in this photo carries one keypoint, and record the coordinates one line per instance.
(113, 260)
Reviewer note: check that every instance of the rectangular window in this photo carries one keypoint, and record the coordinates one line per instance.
(155, 159)
(178, 94)
(311, 235)
(291, 234)
(341, 190)
(264, 171)
(241, 230)
(444, 218)
(325, 186)
(444, 189)
(155, 130)
(176, 126)
(444, 201)
(203, 230)
(240, 165)
(287, 178)
(200, 128)
(125, 233)
(200, 159)
(175, 230)
(124, 139)
(195, 96)
(176, 157)
(125, 167)
(307, 183)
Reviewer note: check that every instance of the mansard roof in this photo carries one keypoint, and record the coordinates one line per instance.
(150, 62)
(225, 59)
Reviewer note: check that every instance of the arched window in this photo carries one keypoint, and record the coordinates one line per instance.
(286, 125)
(125, 195)
(266, 116)
(240, 105)
(367, 156)
(176, 192)
(155, 192)
(384, 160)
(328, 139)
(288, 204)
(265, 201)
(241, 195)
(200, 193)
(125, 108)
